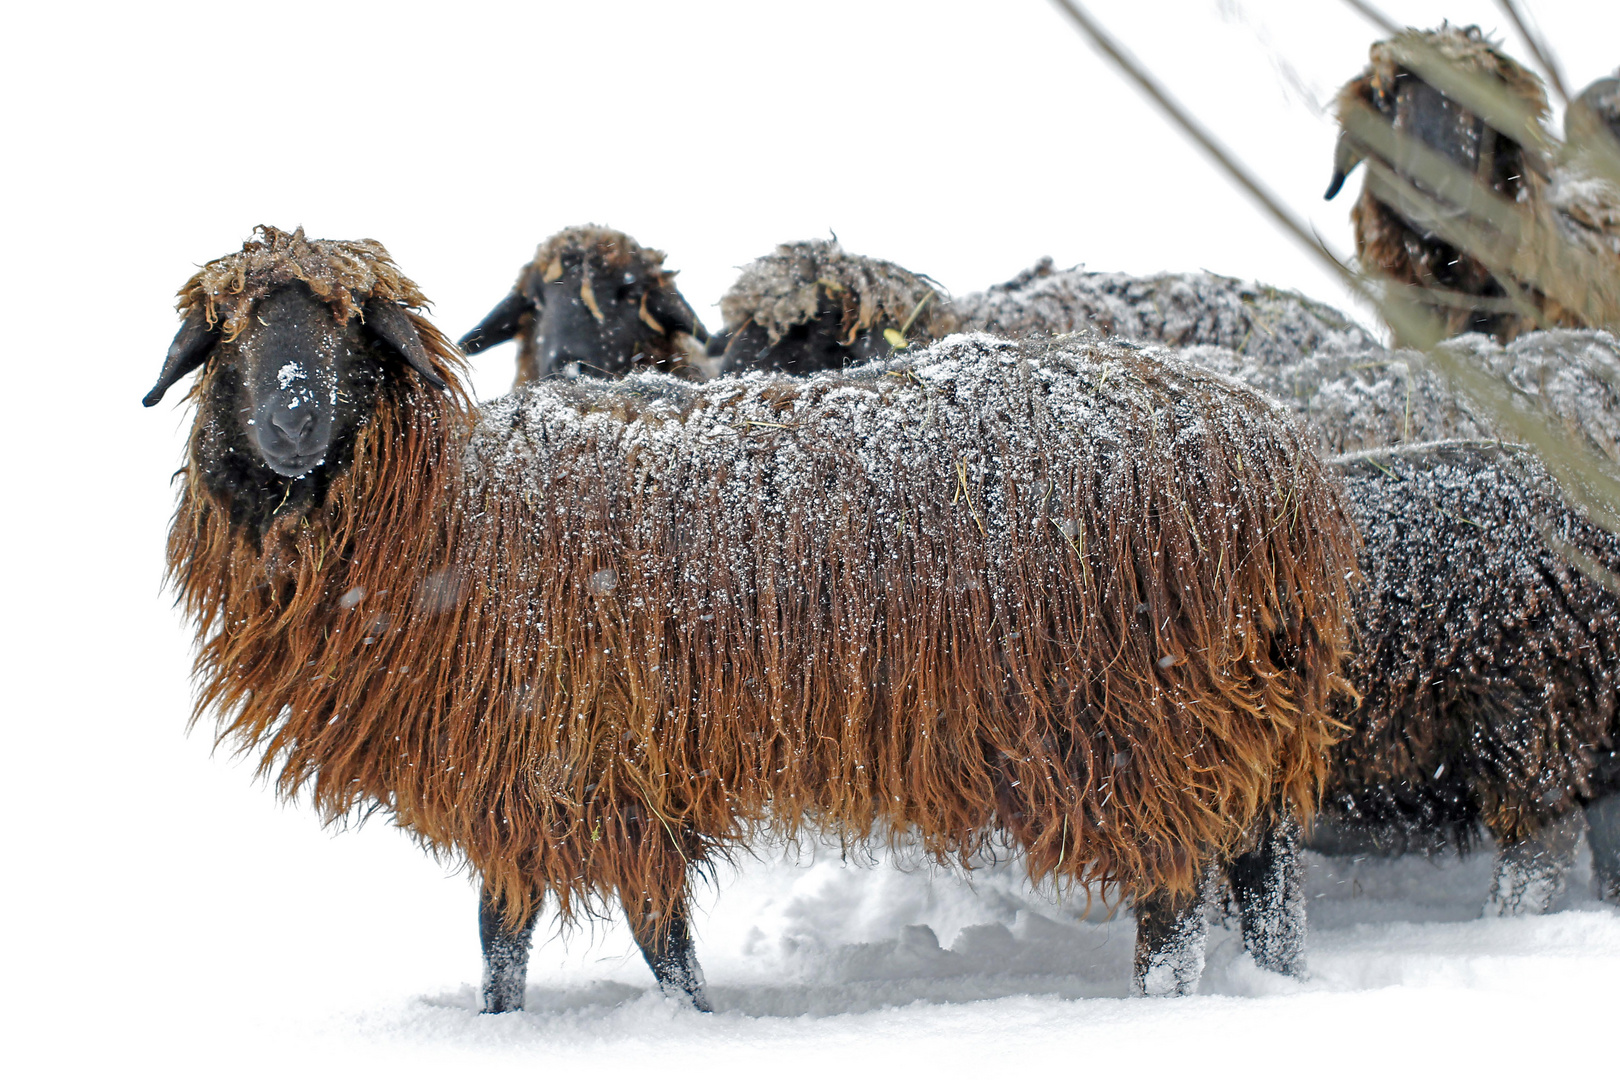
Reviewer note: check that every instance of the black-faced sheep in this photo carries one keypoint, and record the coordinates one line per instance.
(597, 634)
(1475, 220)
(810, 306)
(594, 302)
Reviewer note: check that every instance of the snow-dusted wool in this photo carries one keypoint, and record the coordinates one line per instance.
(1362, 399)
(811, 306)
(594, 302)
(1488, 658)
(1546, 252)
(1270, 326)
(1083, 596)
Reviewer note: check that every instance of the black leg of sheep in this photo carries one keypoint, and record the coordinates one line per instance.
(506, 955)
(1603, 823)
(1170, 934)
(669, 953)
(1268, 884)
(1530, 873)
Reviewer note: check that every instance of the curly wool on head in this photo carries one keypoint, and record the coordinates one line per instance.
(344, 273)
(863, 304)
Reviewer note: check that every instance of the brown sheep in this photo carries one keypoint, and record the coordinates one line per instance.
(811, 306)
(596, 635)
(1473, 217)
(592, 301)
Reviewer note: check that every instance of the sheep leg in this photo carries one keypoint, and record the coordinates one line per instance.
(1269, 886)
(1603, 823)
(1170, 935)
(667, 947)
(1531, 872)
(506, 955)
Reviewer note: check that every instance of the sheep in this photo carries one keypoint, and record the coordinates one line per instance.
(811, 306)
(593, 301)
(1371, 403)
(1488, 664)
(1272, 325)
(592, 636)
(1475, 223)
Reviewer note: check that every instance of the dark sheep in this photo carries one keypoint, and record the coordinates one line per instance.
(593, 636)
(1488, 663)
(1376, 403)
(1543, 244)
(811, 306)
(594, 302)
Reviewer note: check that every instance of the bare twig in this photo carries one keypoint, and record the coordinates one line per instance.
(1538, 49)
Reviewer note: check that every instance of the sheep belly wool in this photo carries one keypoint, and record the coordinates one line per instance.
(1089, 596)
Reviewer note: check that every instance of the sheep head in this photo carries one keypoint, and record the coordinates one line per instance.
(1471, 120)
(297, 341)
(810, 306)
(592, 302)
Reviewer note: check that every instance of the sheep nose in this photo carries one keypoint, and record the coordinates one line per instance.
(292, 423)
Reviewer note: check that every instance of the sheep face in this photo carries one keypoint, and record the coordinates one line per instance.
(280, 404)
(287, 367)
(818, 345)
(595, 321)
(591, 303)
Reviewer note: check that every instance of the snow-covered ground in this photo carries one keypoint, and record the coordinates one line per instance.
(161, 914)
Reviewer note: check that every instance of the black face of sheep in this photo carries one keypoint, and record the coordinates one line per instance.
(818, 345)
(298, 383)
(592, 303)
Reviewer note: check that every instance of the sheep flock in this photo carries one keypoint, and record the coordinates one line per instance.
(1151, 581)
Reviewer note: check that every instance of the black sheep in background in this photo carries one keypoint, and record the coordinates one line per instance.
(811, 306)
(594, 302)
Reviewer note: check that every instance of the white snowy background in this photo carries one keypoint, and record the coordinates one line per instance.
(163, 914)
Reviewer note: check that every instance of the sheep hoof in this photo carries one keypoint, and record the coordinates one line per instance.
(1170, 937)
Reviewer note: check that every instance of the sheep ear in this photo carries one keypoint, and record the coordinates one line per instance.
(1346, 156)
(672, 312)
(392, 324)
(187, 351)
(501, 324)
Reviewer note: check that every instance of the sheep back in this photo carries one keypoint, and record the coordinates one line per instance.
(1270, 325)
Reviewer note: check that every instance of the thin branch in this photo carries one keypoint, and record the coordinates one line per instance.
(1537, 47)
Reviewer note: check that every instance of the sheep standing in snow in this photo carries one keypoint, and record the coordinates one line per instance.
(811, 306)
(1535, 618)
(596, 634)
(594, 302)
(1489, 665)
(1509, 243)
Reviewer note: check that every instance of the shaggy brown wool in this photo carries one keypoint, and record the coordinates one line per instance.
(1082, 595)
